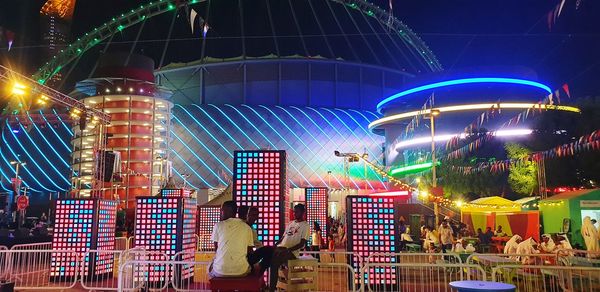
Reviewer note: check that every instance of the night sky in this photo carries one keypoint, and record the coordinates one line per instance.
(461, 33)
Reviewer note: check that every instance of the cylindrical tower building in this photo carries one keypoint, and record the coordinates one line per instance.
(136, 139)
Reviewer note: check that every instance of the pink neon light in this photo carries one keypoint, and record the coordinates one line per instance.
(391, 194)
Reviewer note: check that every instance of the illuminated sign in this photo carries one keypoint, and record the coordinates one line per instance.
(208, 216)
(370, 227)
(259, 179)
(316, 210)
(81, 225)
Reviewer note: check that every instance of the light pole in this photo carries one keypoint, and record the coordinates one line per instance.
(436, 207)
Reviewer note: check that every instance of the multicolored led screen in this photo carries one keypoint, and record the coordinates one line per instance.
(370, 222)
(259, 179)
(166, 225)
(208, 216)
(81, 225)
(316, 210)
(107, 220)
(175, 193)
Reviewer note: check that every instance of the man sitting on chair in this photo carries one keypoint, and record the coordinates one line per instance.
(295, 237)
(233, 240)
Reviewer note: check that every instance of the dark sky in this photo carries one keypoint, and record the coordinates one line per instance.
(461, 33)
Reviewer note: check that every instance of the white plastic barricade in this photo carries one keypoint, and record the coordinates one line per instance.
(33, 269)
(548, 278)
(106, 270)
(416, 276)
(3, 261)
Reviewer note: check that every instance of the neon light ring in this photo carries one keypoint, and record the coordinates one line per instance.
(447, 83)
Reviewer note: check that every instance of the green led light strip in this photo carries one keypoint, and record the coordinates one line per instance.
(413, 168)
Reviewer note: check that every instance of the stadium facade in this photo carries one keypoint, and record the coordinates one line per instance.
(306, 79)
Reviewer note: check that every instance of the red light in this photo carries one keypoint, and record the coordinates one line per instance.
(391, 194)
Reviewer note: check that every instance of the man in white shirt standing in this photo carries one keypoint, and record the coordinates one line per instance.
(446, 236)
(295, 237)
(233, 240)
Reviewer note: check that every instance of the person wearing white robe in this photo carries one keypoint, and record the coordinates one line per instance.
(511, 244)
(564, 246)
(547, 245)
(590, 236)
(525, 248)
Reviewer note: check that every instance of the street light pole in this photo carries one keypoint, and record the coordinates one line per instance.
(436, 207)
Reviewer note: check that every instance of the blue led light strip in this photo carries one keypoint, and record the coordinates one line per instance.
(208, 150)
(235, 125)
(219, 126)
(270, 143)
(32, 160)
(358, 139)
(208, 132)
(462, 81)
(25, 168)
(290, 147)
(329, 138)
(289, 129)
(197, 157)
(58, 137)
(48, 143)
(23, 130)
(63, 123)
(181, 176)
(309, 133)
(191, 168)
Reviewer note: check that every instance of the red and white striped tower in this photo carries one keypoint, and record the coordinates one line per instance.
(138, 132)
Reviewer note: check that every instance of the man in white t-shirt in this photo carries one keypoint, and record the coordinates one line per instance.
(233, 240)
(295, 238)
(446, 237)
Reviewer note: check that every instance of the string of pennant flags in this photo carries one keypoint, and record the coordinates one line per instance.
(519, 118)
(590, 142)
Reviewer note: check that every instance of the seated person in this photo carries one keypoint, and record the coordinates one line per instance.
(251, 218)
(547, 244)
(431, 236)
(499, 231)
(295, 237)
(526, 248)
(40, 229)
(233, 241)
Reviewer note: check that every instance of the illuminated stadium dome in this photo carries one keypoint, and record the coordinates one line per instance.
(301, 76)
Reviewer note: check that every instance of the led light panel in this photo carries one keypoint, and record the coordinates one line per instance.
(370, 224)
(316, 210)
(259, 179)
(166, 225)
(81, 225)
(208, 216)
(175, 193)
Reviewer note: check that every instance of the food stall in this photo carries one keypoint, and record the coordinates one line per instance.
(564, 212)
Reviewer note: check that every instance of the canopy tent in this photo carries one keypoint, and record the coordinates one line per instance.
(528, 203)
(565, 212)
(495, 211)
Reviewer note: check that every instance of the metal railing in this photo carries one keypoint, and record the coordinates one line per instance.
(548, 278)
(103, 276)
(421, 258)
(33, 246)
(583, 258)
(35, 270)
(416, 276)
(121, 243)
